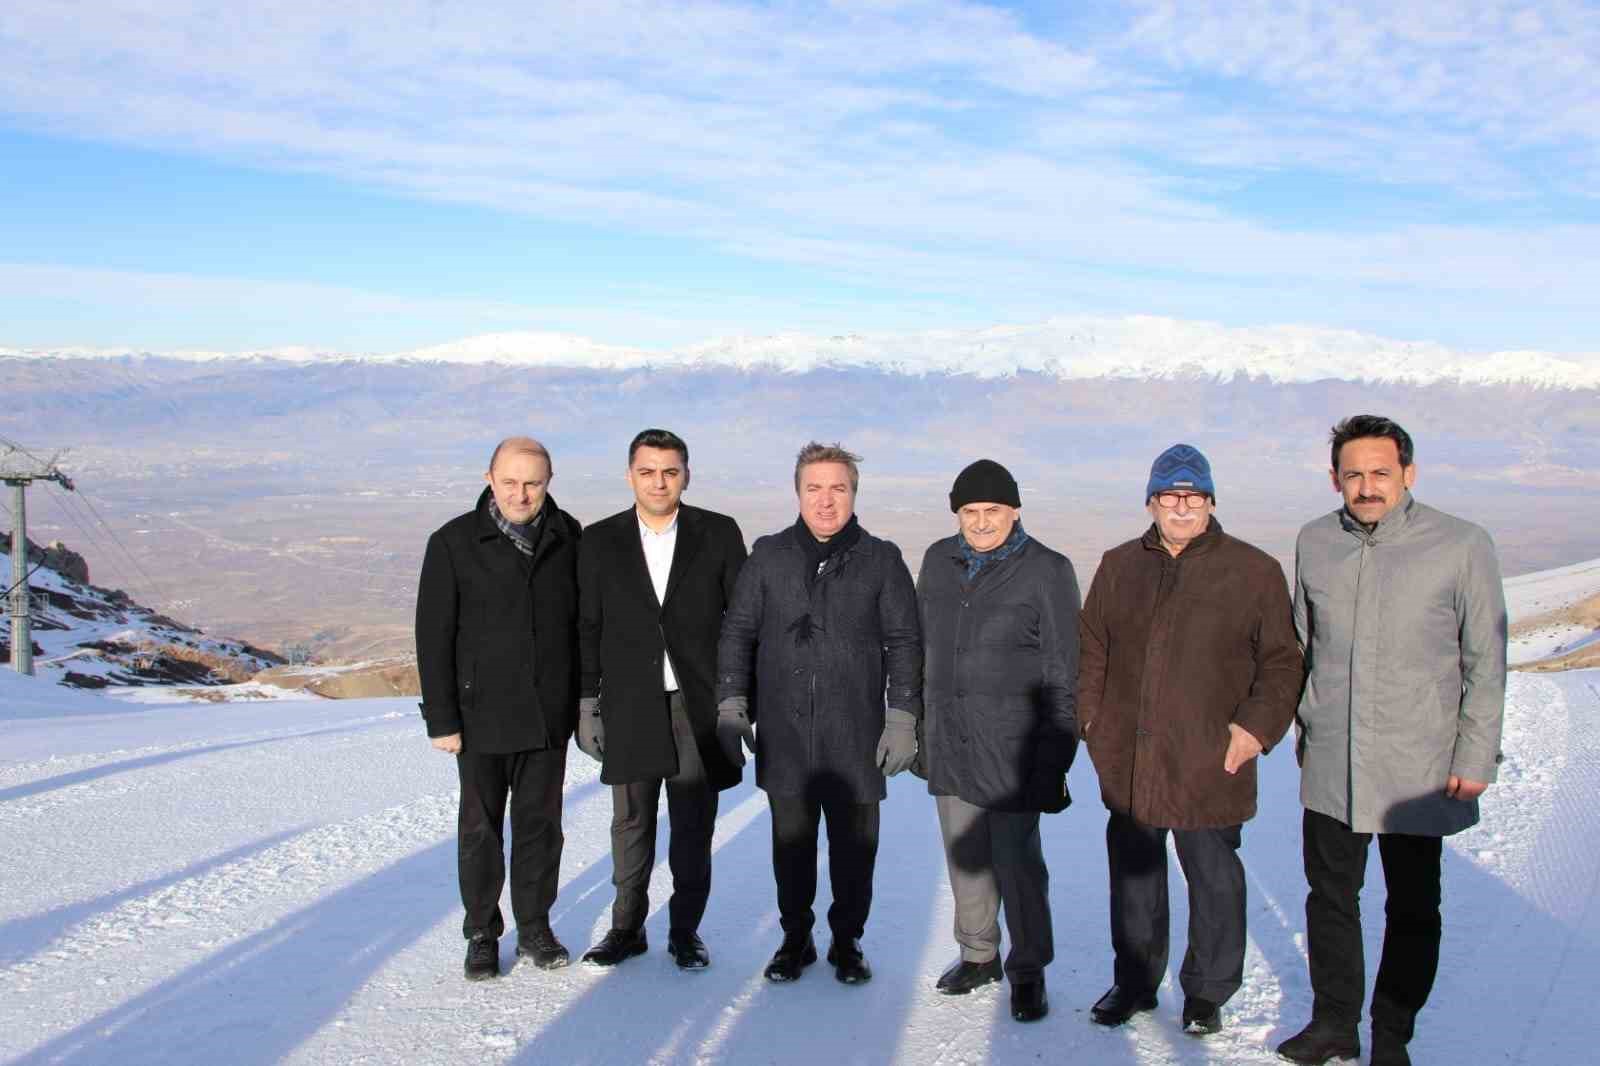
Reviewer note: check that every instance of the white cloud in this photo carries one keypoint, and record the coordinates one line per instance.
(940, 146)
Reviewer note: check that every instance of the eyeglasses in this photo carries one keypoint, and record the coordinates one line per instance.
(1192, 500)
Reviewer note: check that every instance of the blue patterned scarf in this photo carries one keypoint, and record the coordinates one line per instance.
(977, 560)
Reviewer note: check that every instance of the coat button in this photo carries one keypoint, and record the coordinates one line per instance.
(961, 693)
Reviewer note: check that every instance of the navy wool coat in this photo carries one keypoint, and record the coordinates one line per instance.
(1000, 697)
(819, 662)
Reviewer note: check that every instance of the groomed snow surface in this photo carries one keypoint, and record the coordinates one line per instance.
(260, 882)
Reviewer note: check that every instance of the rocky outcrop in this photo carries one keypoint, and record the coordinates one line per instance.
(383, 677)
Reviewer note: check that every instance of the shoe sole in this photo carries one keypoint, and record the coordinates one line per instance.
(1112, 1021)
(689, 964)
(964, 990)
(808, 959)
(632, 953)
(560, 962)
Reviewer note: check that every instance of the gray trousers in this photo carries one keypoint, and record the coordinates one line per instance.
(692, 809)
(1213, 964)
(996, 862)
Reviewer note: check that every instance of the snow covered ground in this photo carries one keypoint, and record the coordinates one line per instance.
(268, 881)
(1541, 605)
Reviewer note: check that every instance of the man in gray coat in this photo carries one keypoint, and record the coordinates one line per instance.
(999, 617)
(1402, 614)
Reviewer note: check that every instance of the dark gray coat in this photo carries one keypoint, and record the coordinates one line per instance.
(1000, 662)
(819, 662)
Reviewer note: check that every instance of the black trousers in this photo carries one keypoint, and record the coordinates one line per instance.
(1336, 864)
(1213, 963)
(996, 864)
(532, 781)
(692, 809)
(852, 855)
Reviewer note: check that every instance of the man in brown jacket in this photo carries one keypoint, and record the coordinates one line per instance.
(1189, 670)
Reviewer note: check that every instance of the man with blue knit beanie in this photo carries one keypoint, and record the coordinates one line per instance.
(1190, 669)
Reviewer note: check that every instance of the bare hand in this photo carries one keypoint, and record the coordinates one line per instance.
(1459, 788)
(1242, 747)
(451, 745)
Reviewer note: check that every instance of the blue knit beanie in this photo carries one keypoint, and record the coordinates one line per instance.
(1180, 467)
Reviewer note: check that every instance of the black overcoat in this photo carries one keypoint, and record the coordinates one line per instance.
(623, 630)
(822, 660)
(1000, 724)
(497, 634)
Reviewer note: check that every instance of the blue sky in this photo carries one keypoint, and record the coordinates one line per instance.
(385, 176)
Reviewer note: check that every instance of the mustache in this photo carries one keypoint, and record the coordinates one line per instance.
(1372, 499)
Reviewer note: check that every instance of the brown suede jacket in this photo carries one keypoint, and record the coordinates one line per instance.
(1174, 649)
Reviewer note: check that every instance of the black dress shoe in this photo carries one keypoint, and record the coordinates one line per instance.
(792, 958)
(619, 945)
(1388, 1049)
(962, 976)
(1028, 1001)
(483, 958)
(687, 949)
(1201, 1017)
(541, 946)
(1320, 1042)
(849, 964)
(1119, 1004)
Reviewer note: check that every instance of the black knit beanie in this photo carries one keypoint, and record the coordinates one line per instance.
(985, 481)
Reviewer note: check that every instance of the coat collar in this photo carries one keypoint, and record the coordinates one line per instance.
(552, 529)
(1389, 527)
(1198, 546)
(691, 534)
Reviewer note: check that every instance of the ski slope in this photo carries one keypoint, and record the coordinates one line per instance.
(259, 882)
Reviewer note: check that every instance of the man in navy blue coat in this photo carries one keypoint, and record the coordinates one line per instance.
(823, 632)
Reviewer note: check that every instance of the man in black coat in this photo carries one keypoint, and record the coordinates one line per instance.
(999, 617)
(653, 583)
(822, 631)
(497, 652)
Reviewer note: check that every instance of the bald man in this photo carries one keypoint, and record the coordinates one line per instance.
(497, 649)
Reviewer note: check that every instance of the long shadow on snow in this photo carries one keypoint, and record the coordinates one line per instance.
(729, 1010)
(256, 1000)
(143, 762)
(263, 996)
(21, 938)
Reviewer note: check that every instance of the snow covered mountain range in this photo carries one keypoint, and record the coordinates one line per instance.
(1068, 348)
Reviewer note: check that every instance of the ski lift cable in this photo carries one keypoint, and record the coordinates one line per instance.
(70, 509)
(150, 581)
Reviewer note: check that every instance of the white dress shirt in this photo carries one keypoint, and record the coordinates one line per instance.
(658, 549)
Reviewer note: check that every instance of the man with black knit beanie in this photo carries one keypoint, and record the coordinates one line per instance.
(999, 614)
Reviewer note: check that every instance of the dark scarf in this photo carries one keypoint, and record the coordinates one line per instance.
(817, 554)
(524, 536)
(977, 560)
